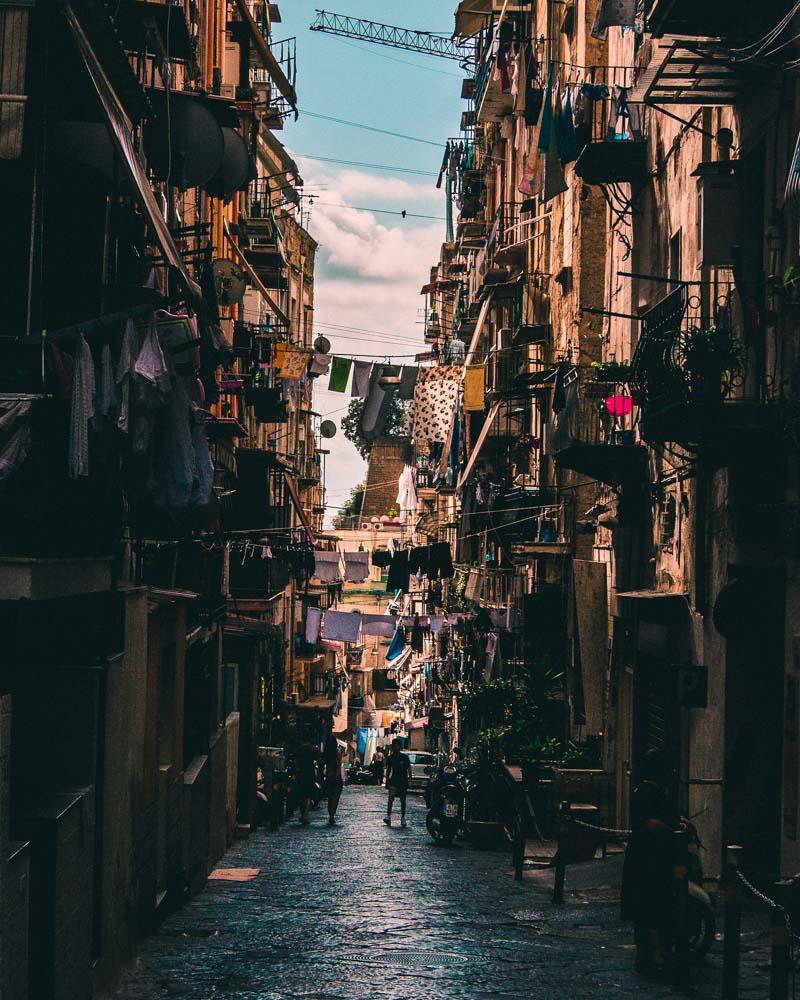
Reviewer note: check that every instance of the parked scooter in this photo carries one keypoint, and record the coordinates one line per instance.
(357, 774)
(702, 923)
(446, 797)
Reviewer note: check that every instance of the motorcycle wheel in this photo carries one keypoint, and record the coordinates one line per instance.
(702, 928)
(440, 834)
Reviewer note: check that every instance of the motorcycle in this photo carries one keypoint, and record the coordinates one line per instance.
(357, 774)
(446, 797)
(701, 919)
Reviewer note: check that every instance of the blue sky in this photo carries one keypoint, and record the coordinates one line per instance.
(370, 266)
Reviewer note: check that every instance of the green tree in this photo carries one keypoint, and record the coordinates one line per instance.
(351, 424)
(351, 507)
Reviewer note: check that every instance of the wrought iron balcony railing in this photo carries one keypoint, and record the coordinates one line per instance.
(610, 143)
(595, 428)
(698, 383)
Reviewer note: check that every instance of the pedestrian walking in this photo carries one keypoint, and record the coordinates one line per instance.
(333, 757)
(647, 875)
(397, 776)
(378, 766)
(306, 763)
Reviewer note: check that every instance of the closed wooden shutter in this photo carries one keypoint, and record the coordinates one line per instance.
(14, 17)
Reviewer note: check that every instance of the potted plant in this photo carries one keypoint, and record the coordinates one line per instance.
(710, 358)
(612, 371)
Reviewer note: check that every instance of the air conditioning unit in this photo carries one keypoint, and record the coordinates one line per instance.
(365, 525)
(231, 66)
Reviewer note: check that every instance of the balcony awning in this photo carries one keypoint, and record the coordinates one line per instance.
(471, 16)
(683, 71)
(258, 284)
(291, 485)
(121, 132)
(487, 425)
(270, 62)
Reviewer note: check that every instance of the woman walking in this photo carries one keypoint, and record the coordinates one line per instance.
(332, 759)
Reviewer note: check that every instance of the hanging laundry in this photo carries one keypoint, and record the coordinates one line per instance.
(378, 405)
(436, 623)
(175, 455)
(15, 436)
(320, 363)
(408, 381)
(106, 389)
(356, 566)
(381, 558)
(82, 409)
(294, 364)
(546, 127)
(435, 399)
(397, 645)
(519, 81)
(407, 493)
(125, 367)
(554, 182)
(398, 572)
(313, 624)
(474, 388)
(624, 120)
(328, 566)
(566, 135)
(151, 366)
(340, 373)
(361, 373)
(379, 625)
(342, 625)
(613, 13)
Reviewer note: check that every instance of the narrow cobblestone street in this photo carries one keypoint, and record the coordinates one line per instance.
(363, 911)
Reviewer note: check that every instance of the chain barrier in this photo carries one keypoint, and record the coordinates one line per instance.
(779, 911)
(610, 833)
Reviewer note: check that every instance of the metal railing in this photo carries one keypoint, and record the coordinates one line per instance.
(603, 413)
(285, 53)
(607, 117)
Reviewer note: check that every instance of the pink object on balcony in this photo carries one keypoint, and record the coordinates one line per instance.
(619, 406)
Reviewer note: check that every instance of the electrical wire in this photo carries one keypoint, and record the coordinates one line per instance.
(380, 211)
(373, 128)
(369, 166)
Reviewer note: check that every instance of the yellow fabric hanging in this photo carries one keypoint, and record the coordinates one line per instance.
(474, 387)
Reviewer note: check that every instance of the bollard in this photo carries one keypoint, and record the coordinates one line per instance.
(681, 876)
(733, 924)
(563, 834)
(780, 961)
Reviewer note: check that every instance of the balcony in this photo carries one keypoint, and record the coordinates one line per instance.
(594, 434)
(309, 471)
(614, 150)
(492, 101)
(529, 522)
(279, 104)
(507, 240)
(496, 588)
(697, 386)
(512, 374)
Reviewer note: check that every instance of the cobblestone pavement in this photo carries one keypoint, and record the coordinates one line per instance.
(361, 911)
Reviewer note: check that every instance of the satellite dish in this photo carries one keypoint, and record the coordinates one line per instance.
(230, 281)
(322, 344)
(327, 429)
